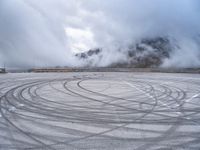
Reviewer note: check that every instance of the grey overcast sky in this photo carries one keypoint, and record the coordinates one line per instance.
(37, 33)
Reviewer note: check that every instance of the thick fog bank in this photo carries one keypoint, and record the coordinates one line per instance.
(35, 33)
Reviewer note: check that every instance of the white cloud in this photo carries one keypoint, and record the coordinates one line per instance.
(80, 40)
(48, 32)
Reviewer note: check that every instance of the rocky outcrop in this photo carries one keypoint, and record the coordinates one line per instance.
(145, 53)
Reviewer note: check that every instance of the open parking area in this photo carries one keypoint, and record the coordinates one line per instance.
(100, 111)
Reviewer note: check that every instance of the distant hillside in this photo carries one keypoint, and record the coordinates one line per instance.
(146, 53)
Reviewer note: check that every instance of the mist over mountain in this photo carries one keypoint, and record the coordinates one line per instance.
(146, 53)
(127, 33)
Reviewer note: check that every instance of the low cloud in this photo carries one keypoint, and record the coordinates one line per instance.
(35, 33)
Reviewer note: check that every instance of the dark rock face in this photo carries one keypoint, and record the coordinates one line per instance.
(89, 53)
(149, 52)
(2, 70)
(146, 53)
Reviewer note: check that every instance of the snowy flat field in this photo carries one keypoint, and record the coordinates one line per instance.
(98, 111)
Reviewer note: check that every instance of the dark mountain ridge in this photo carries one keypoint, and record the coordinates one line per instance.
(146, 53)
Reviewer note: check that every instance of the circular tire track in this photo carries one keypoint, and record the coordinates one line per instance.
(100, 111)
